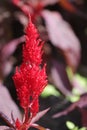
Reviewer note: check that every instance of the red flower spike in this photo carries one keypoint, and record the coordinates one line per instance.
(32, 50)
(30, 79)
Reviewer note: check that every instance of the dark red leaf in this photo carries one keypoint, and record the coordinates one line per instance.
(8, 49)
(5, 128)
(82, 103)
(62, 36)
(60, 78)
(8, 106)
(6, 61)
(39, 115)
(48, 2)
(84, 117)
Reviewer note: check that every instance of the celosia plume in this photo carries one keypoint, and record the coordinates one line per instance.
(32, 51)
(30, 78)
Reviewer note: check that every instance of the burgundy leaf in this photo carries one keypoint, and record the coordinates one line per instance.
(9, 48)
(36, 2)
(39, 115)
(33, 7)
(48, 2)
(60, 78)
(8, 106)
(6, 62)
(21, 18)
(82, 103)
(62, 36)
(7, 120)
(5, 128)
(83, 117)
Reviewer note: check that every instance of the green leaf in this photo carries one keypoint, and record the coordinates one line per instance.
(83, 128)
(70, 125)
(81, 79)
(73, 98)
(69, 72)
(76, 128)
(50, 90)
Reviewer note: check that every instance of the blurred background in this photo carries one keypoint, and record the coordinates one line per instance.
(62, 25)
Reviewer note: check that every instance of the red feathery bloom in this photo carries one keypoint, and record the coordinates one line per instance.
(30, 78)
(32, 50)
(30, 82)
